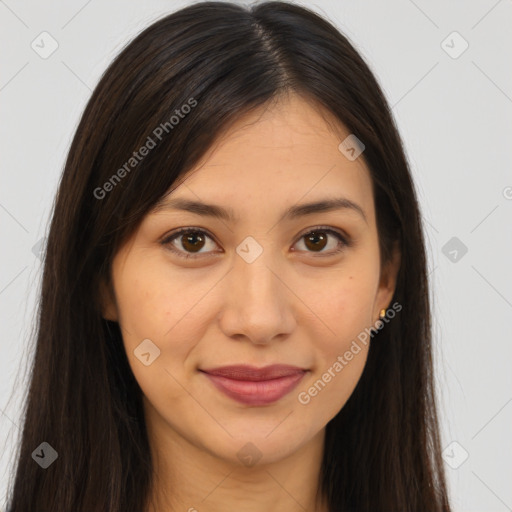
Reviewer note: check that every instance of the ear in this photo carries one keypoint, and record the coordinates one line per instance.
(107, 302)
(387, 282)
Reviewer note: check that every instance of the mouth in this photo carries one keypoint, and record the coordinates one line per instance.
(255, 386)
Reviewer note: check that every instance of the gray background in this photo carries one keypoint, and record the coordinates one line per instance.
(455, 116)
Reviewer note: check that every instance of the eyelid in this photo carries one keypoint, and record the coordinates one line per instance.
(342, 236)
(167, 239)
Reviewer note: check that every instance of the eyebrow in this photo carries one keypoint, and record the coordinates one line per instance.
(227, 214)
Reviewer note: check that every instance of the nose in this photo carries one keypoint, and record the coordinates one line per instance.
(258, 305)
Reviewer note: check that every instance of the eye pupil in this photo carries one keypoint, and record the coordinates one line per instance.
(191, 238)
(315, 237)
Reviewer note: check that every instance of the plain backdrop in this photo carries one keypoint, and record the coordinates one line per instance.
(443, 67)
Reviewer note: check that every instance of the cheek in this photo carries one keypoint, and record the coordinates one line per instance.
(340, 357)
(152, 301)
(347, 312)
(171, 310)
(327, 391)
(345, 307)
(345, 304)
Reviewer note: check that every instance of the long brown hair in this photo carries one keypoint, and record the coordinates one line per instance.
(382, 450)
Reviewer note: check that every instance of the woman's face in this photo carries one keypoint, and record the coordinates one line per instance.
(259, 289)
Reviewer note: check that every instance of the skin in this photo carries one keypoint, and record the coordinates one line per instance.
(292, 305)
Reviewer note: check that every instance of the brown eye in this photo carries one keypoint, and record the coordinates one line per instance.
(194, 241)
(316, 240)
(189, 243)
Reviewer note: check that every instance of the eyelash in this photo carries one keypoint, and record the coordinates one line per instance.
(343, 239)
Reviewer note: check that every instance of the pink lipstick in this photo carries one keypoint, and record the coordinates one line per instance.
(255, 386)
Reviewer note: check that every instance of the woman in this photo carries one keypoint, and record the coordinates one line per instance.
(234, 310)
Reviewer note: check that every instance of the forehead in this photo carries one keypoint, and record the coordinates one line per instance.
(276, 156)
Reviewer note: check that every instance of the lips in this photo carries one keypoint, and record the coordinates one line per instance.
(255, 386)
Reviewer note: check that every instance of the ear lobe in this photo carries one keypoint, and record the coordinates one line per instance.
(107, 302)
